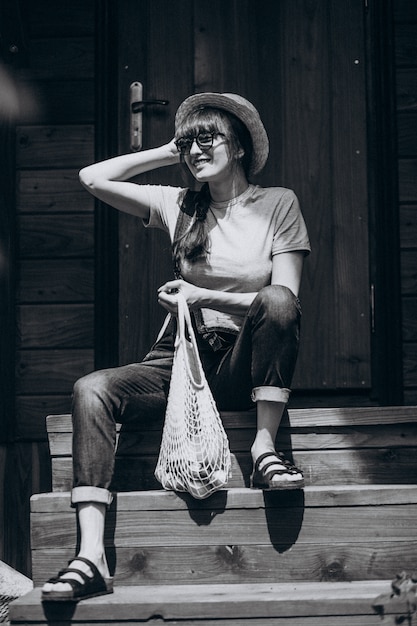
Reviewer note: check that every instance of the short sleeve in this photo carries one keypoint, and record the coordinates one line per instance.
(290, 233)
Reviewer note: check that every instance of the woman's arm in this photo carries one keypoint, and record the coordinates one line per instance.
(108, 180)
(286, 271)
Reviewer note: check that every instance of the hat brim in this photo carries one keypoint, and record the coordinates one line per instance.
(242, 109)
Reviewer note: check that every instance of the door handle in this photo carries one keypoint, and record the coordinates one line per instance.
(137, 106)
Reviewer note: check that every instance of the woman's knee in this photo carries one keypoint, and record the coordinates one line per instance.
(93, 385)
(279, 303)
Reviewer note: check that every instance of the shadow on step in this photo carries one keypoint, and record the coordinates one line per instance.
(62, 612)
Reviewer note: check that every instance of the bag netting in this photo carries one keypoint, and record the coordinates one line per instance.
(194, 454)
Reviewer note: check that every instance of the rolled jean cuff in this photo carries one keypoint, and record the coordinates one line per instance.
(271, 394)
(91, 494)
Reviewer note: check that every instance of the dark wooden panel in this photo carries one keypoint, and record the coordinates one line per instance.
(406, 44)
(71, 59)
(407, 170)
(51, 371)
(56, 236)
(56, 281)
(350, 330)
(407, 89)
(54, 146)
(31, 413)
(409, 272)
(409, 310)
(408, 225)
(51, 19)
(56, 326)
(410, 364)
(59, 102)
(51, 191)
(407, 134)
(405, 10)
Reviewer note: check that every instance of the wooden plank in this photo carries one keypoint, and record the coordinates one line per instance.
(148, 442)
(408, 224)
(56, 236)
(56, 326)
(52, 191)
(61, 20)
(405, 11)
(69, 280)
(243, 563)
(410, 364)
(331, 417)
(407, 134)
(338, 467)
(68, 58)
(241, 498)
(406, 82)
(283, 527)
(31, 411)
(54, 146)
(59, 102)
(176, 602)
(405, 45)
(409, 319)
(51, 371)
(409, 272)
(407, 171)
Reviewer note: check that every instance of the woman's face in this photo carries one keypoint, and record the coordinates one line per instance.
(212, 164)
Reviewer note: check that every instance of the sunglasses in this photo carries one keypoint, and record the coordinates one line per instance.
(203, 140)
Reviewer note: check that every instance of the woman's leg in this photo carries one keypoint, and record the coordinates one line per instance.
(100, 400)
(261, 365)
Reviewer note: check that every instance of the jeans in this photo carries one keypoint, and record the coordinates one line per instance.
(257, 364)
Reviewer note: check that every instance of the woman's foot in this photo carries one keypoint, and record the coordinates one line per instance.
(83, 571)
(272, 471)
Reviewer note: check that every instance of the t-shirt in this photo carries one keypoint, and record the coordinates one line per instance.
(245, 233)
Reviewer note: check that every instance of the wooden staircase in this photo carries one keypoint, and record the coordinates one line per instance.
(314, 557)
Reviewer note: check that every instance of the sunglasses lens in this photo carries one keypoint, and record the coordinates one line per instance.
(205, 140)
(184, 144)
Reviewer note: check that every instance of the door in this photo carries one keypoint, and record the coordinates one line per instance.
(301, 62)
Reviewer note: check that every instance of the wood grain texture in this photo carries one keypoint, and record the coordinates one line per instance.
(54, 146)
(56, 326)
(44, 191)
(56, 281)
(53, 371)
(231, 602)
(52, 236)
(243, 563)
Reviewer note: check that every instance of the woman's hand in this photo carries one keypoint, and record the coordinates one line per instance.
(167, 295)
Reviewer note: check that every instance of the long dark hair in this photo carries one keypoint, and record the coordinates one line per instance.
(194, 243)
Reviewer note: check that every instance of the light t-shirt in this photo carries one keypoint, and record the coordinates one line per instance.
(245, 233)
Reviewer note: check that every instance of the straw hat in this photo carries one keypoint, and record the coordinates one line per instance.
(242, 109)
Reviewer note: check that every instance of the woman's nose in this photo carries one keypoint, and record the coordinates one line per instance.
(194, 149)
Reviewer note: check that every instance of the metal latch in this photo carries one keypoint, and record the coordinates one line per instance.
(137, 105)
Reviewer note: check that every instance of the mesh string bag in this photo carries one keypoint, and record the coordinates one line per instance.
(194, 456)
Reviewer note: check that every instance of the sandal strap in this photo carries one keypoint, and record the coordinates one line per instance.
(287, 466)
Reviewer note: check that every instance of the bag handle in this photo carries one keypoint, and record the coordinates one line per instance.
(184, 327)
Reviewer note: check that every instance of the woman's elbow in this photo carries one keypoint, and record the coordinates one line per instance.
(86, 179)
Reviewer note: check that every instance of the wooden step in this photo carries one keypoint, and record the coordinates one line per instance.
(361, 445)
(272, 604)
(323, 533)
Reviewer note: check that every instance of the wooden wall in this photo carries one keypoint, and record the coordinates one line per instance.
(405, 24)
(55, 246)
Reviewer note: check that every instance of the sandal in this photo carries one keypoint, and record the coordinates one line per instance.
(262, 478)
(91, 586)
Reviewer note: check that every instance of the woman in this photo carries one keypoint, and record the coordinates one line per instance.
(239, 254)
